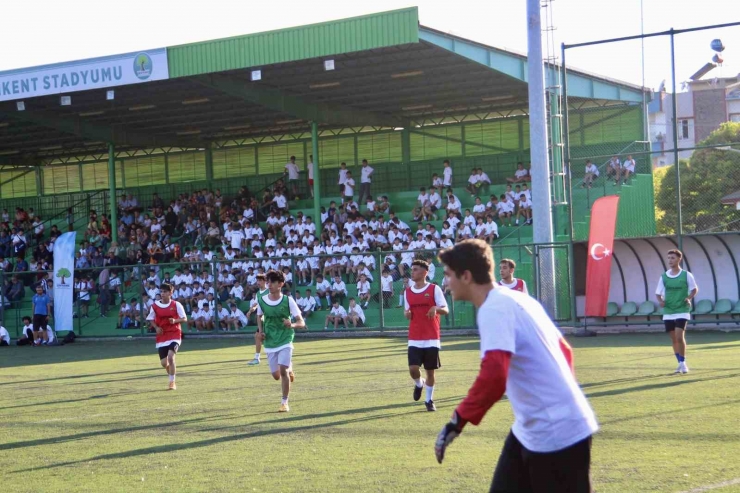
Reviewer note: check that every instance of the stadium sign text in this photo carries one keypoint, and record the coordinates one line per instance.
(82, 75)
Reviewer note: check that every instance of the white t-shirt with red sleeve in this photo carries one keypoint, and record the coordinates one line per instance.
(550, 410)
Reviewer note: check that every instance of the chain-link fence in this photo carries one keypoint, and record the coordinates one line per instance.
(218, 295)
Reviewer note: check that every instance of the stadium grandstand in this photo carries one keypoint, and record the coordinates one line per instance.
(337, 151)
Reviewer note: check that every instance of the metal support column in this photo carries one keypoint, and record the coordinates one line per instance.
(316, 178)
(679, 218)
(112, 192)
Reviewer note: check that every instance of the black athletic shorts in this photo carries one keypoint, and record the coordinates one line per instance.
(39, 322)
(427, 357)
(522, 471)
(679, 323)
(165, 350)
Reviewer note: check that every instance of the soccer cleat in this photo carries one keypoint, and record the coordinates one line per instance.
(284, 408)
(683, 367)
(417, 390)
(254, 362)
(291, 375)
(173, 386)
(430, 406)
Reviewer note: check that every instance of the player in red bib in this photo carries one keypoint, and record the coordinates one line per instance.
(506, 270)
(166, 316)
(424, 302)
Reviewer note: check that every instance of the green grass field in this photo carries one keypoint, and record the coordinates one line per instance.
(95, 416)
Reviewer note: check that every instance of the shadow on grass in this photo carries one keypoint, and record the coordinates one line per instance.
(83, 399)
(90, 434)
(679, 380)
(174, 447)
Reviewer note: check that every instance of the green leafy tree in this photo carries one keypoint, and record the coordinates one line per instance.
(63, 273)
(708, 176)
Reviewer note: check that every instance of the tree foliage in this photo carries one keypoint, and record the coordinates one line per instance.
(708, 176)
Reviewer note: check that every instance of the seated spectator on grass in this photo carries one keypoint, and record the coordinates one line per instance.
(590, 174)
(355, 314)
(520, 175)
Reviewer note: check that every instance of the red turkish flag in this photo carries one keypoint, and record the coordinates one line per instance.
(600, 245)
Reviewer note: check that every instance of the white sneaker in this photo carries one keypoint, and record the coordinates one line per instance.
(678, 369)
(683, 367)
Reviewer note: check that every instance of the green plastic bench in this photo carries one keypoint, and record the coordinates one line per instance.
(723, 307)
(628, 309)
(736, 309)
(612, 309)
(646, 309)
(702, 307)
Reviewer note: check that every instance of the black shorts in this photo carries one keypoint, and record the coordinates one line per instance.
(165, 350)
(524, 471)
(679, 323)
(39, 322)
(434, 208)
(427, 357)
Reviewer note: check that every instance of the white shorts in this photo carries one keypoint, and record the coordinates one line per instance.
(282, 357)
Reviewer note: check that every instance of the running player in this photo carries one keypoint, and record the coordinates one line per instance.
(524, 355)
(165, 316)
(261, 291)
(423, 303)
(676, 289)
(506, 270)
(277, 331)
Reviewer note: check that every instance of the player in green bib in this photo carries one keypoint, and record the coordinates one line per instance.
(675, 291)
(261, 291)
(276, 331)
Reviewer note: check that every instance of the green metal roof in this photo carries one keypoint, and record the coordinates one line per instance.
(368, 32)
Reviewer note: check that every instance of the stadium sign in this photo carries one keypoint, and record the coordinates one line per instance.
(82, 75)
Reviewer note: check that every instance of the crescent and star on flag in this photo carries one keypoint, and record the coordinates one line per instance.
(599, 251)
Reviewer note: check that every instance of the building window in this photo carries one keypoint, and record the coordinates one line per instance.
(683, 132)
(735, 117)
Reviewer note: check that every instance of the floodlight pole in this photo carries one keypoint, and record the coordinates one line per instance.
(674, 105)
(541, 190)
(112, 192)
(316, 178)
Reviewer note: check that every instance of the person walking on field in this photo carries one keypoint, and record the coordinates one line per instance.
(165, 316)
(525, 356)
(676, 288)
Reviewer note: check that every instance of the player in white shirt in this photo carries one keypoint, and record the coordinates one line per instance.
(291, 169)
(447, 173)
(590, 174)
(525, 356)
(336, 315)
(524, 210)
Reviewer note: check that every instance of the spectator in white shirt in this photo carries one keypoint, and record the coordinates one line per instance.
(472, 182)
(447, 173)
(453, 203)
(336, 315)
(435, 201)
(363, 290)
(628, 168)
(479, 210)
(4, 336)
(614, 169)
(280, 201)
(505, 209)
(342, 177)
(520, 174)
(338, 289)
(323, 290)
(525, 210)
(309, 305)
(355, 314)
(366, 173)
(349, 187)
(291, 169)
(437, 181)
(591, 173)
(309, 168)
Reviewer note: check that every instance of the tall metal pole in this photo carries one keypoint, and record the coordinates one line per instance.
(316, 178)
(674, 104)
(568, 183)
(112, 192)
(541, 192)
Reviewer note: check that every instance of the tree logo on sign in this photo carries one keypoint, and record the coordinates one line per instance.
(143, 66)
(62, 274)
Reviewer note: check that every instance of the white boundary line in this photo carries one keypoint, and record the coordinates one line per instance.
(709, 487)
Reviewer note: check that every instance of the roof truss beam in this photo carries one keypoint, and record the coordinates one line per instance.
(277, 100)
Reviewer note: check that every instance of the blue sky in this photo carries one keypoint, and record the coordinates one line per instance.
(47, 31)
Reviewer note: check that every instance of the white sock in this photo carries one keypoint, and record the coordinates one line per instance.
(172, 378)
(284, 400)
(418, 383)
(256, 355)
(430, 392)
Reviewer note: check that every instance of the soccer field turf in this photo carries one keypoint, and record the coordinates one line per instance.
(95, 416)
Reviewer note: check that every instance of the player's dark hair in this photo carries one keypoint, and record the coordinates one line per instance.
(474, 256)
(509, 262)
(260, 277)
(274, 276)
(421, 263)
(165, 287)
(677, 253)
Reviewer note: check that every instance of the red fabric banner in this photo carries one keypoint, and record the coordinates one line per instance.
(600, 245)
